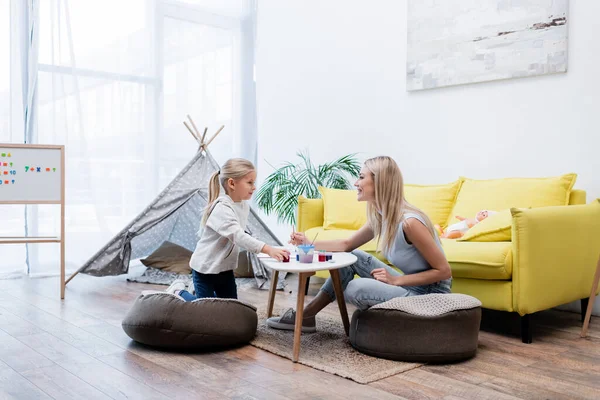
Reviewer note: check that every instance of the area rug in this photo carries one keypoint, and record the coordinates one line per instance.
(328, 350)
(157, 276)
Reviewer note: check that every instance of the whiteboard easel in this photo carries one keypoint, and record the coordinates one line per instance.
(35, 174)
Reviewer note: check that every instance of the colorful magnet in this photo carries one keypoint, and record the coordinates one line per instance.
(31, 169)
(6, 182)
(53, 169)
(5, 164)
(13, 181)
(11, 164)
(26, 168)
(39, 169)
(3, 154)
(47, 169)
(5, 172)
(9, 154)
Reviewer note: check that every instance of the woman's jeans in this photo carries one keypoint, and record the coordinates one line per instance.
(220, 285)
(364, 293)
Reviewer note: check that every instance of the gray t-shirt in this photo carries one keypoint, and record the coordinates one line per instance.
(405, 256)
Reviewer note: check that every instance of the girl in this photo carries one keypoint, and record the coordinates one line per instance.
(407, 238)
(222, 234)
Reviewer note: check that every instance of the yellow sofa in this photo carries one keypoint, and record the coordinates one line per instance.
(544, 257)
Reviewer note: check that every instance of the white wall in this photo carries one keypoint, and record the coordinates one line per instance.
(331, 79)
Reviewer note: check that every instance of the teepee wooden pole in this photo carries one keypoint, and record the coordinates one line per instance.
(191, 131)
(214, 136)
(197, 135)
(204, 135)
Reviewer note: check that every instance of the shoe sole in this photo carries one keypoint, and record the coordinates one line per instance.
(290, 327)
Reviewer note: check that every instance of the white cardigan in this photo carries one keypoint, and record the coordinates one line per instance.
(222, 236)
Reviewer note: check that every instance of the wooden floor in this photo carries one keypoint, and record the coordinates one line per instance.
(76, 349)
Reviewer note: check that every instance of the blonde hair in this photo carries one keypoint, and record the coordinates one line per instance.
(387, 211)
(234, 168)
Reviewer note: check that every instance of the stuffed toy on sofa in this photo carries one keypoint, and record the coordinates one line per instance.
(458, 229)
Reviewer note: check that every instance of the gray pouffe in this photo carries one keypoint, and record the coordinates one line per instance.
(165, 320)
(428, 328)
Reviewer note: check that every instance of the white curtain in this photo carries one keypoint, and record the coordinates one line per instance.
(115, 80)
(18, 51)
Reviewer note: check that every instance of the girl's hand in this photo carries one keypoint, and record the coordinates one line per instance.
(277, 253)
(297, 238)
(382, 275)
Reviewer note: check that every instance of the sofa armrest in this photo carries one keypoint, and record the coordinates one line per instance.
(310, 213)
(555, 251)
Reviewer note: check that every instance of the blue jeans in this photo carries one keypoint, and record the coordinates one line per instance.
(364, 293)
(220, 285)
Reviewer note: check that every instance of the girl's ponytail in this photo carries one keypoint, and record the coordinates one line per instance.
(214, 188)
(234, 168)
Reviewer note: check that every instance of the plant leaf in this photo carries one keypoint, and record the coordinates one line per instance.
(280, 191)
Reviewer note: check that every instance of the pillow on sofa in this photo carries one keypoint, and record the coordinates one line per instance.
(435, 200)
(310, 213)
(495, 228)
(502, 194)
(341, 210)
(170, 257)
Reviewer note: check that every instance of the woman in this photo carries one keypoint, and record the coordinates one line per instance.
(407, 238)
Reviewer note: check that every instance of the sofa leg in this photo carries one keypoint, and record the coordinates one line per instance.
(307, 285)
(526, 336)
(584, 306)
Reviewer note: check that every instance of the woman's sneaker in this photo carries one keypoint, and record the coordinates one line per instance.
(287, 321)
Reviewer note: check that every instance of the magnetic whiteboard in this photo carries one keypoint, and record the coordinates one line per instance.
(31, 173)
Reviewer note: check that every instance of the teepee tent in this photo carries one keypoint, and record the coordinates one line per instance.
(174, 216)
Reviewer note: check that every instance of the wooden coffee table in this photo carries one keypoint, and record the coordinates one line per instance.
(305, 271)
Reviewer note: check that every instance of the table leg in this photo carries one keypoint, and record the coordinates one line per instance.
(588, 313)
(302, 277)
(272, 291)
(339, 295)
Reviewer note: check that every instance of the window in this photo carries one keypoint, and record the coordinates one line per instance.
(116, 81)
(5, 70)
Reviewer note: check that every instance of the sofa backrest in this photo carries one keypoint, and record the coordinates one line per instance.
(504, 193)
(310, 211)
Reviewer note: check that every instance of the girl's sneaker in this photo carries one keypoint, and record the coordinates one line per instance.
(191, 288)
(176, 286)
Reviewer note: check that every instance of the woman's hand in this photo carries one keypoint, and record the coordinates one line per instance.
(382, 275)
(297, 238)
(277, 253)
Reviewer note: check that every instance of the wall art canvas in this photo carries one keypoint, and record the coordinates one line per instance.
(453, 42)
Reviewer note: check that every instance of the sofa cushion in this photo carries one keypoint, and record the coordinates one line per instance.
(495, 228)
(434, 200)
(341, 210)
(310, 213)
(479, 260)
(502, 194)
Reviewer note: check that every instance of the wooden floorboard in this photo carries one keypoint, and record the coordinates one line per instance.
(75, 348)
(61, 384)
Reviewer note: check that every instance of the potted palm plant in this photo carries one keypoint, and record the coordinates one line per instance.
(279, 193)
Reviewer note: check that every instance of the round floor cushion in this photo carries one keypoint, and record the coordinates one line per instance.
(165, 320)
(426, 328)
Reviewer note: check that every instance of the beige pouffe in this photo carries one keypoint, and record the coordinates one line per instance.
(165, 320)
(428, 328)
